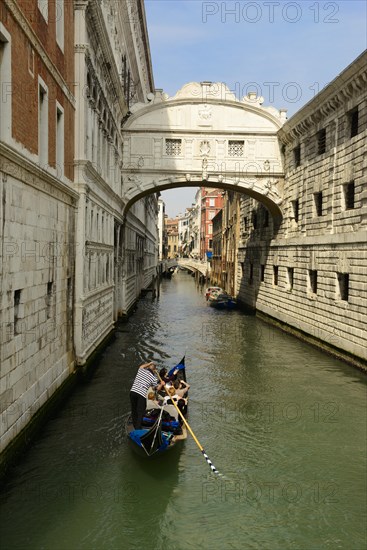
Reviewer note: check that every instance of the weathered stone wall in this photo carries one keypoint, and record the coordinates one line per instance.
(37, 212)
(300, 271)
(37, 281)
(62, 281)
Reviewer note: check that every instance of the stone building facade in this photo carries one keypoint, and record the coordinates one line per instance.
(216, 261)
(172, 238)
(311, 272)
(211, 203)
(226, 237)
(194, 226)
(162, 232)
(117, 254)
(37, 210)
(73, 258)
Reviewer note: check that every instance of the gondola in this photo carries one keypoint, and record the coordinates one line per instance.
(162, 428)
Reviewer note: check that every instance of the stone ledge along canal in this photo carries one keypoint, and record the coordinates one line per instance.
(283, 421)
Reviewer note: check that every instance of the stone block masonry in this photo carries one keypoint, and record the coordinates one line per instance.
(36, 310)
(311, 274)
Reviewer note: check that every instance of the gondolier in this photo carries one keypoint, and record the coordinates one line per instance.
(138, 393)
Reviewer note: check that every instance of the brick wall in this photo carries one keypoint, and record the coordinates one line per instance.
(27, 65)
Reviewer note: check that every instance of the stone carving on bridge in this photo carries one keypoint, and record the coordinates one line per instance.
(206, 112)
(133, 182)
(270, 186)
(205, 148)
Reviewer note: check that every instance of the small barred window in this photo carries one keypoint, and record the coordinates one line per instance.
(349, 194)
(353, 122)
(173, 147)
(236, 148)
(321, 141)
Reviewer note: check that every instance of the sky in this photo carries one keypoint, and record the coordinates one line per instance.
(287, 51)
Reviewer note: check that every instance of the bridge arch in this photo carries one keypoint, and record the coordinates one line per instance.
(204, 136)
(202, 267)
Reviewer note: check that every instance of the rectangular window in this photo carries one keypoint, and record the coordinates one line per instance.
(348, 190)
(173, 147)
(321, 141)
(211, 202)
(60, 23)
(262, 273)
(210, 243)
(49, 299)
(312, 278)
(297, 156)
(295, 210)
(245, 223)
(42, 125)
(275, 275)
(290, 273)
(210, 229)
(59, 141)
(17, 294)
(353, 117)
(317, 197)
(343, 286)
(235, 148)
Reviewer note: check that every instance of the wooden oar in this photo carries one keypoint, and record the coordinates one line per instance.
(211, 465)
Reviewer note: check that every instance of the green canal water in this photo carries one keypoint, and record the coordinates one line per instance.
(285, 424)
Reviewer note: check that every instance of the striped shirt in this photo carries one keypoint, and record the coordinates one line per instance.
(143, 380)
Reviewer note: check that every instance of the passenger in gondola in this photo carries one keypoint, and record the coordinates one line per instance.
(138, 393)
(164, 375)
(181, 387)
(180, 401)
(166, 379)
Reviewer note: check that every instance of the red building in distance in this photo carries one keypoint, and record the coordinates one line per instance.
(171, 226)
(211, 204)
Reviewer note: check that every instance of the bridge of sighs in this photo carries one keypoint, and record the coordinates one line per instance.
(204, 136)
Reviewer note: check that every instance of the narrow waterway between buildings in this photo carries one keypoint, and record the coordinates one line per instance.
(284, 422)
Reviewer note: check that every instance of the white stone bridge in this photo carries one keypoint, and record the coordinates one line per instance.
(204, 136)
(189, 263)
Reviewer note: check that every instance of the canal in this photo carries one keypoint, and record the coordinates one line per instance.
(285, 424)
